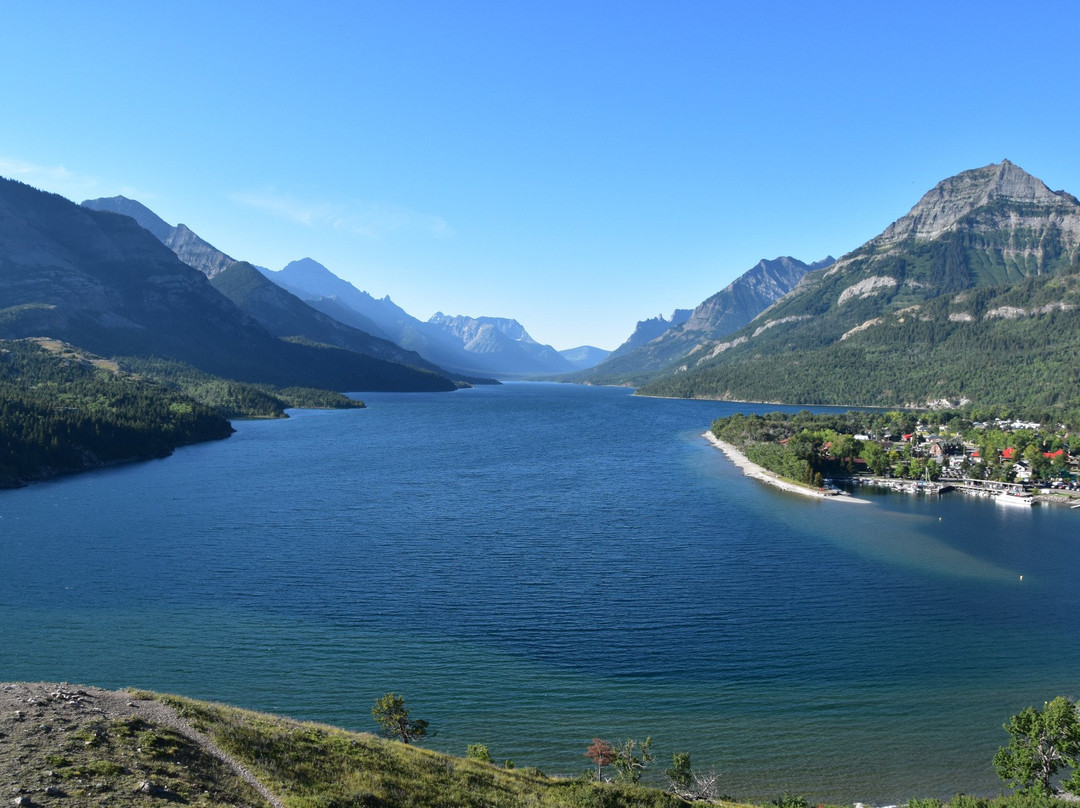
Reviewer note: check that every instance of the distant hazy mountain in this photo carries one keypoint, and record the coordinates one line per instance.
(974, 295)
(500, 342)
(585, 356)
(102, 282)
(468, 347)
(325, 291)
(283, 314)
(726, 311)
(648, 330)
(191, 249)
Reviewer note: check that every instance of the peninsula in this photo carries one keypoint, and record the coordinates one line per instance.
(752, 469)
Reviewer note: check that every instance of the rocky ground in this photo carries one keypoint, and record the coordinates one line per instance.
(81, 746)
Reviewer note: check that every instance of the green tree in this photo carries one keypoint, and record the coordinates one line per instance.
(478, 752)
(877, 460)
(846, 448)
(631, 758)
(690, 785)
(392, 716)
(1042, 742)
(680, 776)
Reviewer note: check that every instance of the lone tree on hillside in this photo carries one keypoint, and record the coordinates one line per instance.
(602, 754)
(1043, 741)
(689, 784)
(392, 716)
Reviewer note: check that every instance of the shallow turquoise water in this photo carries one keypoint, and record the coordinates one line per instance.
(536, 565)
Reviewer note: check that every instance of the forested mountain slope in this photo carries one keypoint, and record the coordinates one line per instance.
(63, 411)
(970, 296)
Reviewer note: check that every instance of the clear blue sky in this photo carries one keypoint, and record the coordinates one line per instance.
(575, 165)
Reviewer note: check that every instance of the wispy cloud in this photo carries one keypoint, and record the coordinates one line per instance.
(52, 178)
(59, 180)
(371, 220)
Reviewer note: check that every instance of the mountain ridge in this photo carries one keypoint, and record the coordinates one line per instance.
(732, 307)
(188, 246)
(502, 340)
(286, 316)
(473, 347)
(905, 319)
(100, 281)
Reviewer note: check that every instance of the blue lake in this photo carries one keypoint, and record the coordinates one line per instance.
(535, 565)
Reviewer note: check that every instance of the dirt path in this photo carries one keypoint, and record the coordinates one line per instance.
(39, 720)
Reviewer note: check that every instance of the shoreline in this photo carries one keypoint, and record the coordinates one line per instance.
(751, 469)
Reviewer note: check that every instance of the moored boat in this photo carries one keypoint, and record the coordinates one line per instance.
(1009, 498)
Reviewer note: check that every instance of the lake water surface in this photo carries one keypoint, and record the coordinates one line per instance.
(535, 565)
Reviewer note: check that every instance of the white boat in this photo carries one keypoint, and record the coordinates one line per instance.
(1009, 498)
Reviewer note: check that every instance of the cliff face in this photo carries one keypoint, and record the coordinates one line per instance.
(748, 296)
(197, 253)
(647, 330)
(503, 343)
(943, 208)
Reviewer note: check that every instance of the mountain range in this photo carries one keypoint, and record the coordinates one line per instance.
(467, 346)
(102, 282)
(973, 295)
(656, 344)
(306, 301)
(188, 247)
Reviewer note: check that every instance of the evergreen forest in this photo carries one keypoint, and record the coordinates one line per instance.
(63, 410)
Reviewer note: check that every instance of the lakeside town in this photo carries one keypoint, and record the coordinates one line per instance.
(1012, 460)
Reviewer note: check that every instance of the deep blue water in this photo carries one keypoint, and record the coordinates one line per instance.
(536, 565)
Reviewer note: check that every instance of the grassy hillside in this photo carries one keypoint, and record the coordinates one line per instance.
(105, 748)
(70, 745)
(315, 765)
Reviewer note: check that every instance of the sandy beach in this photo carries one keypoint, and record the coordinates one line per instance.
(751, 469)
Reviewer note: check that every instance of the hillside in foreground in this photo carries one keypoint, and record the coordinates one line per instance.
(73, 745)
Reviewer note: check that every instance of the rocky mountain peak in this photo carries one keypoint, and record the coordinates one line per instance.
(136, 210)
(952, 199)
(468, 328)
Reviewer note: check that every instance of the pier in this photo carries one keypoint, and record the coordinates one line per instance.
(968, 485)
